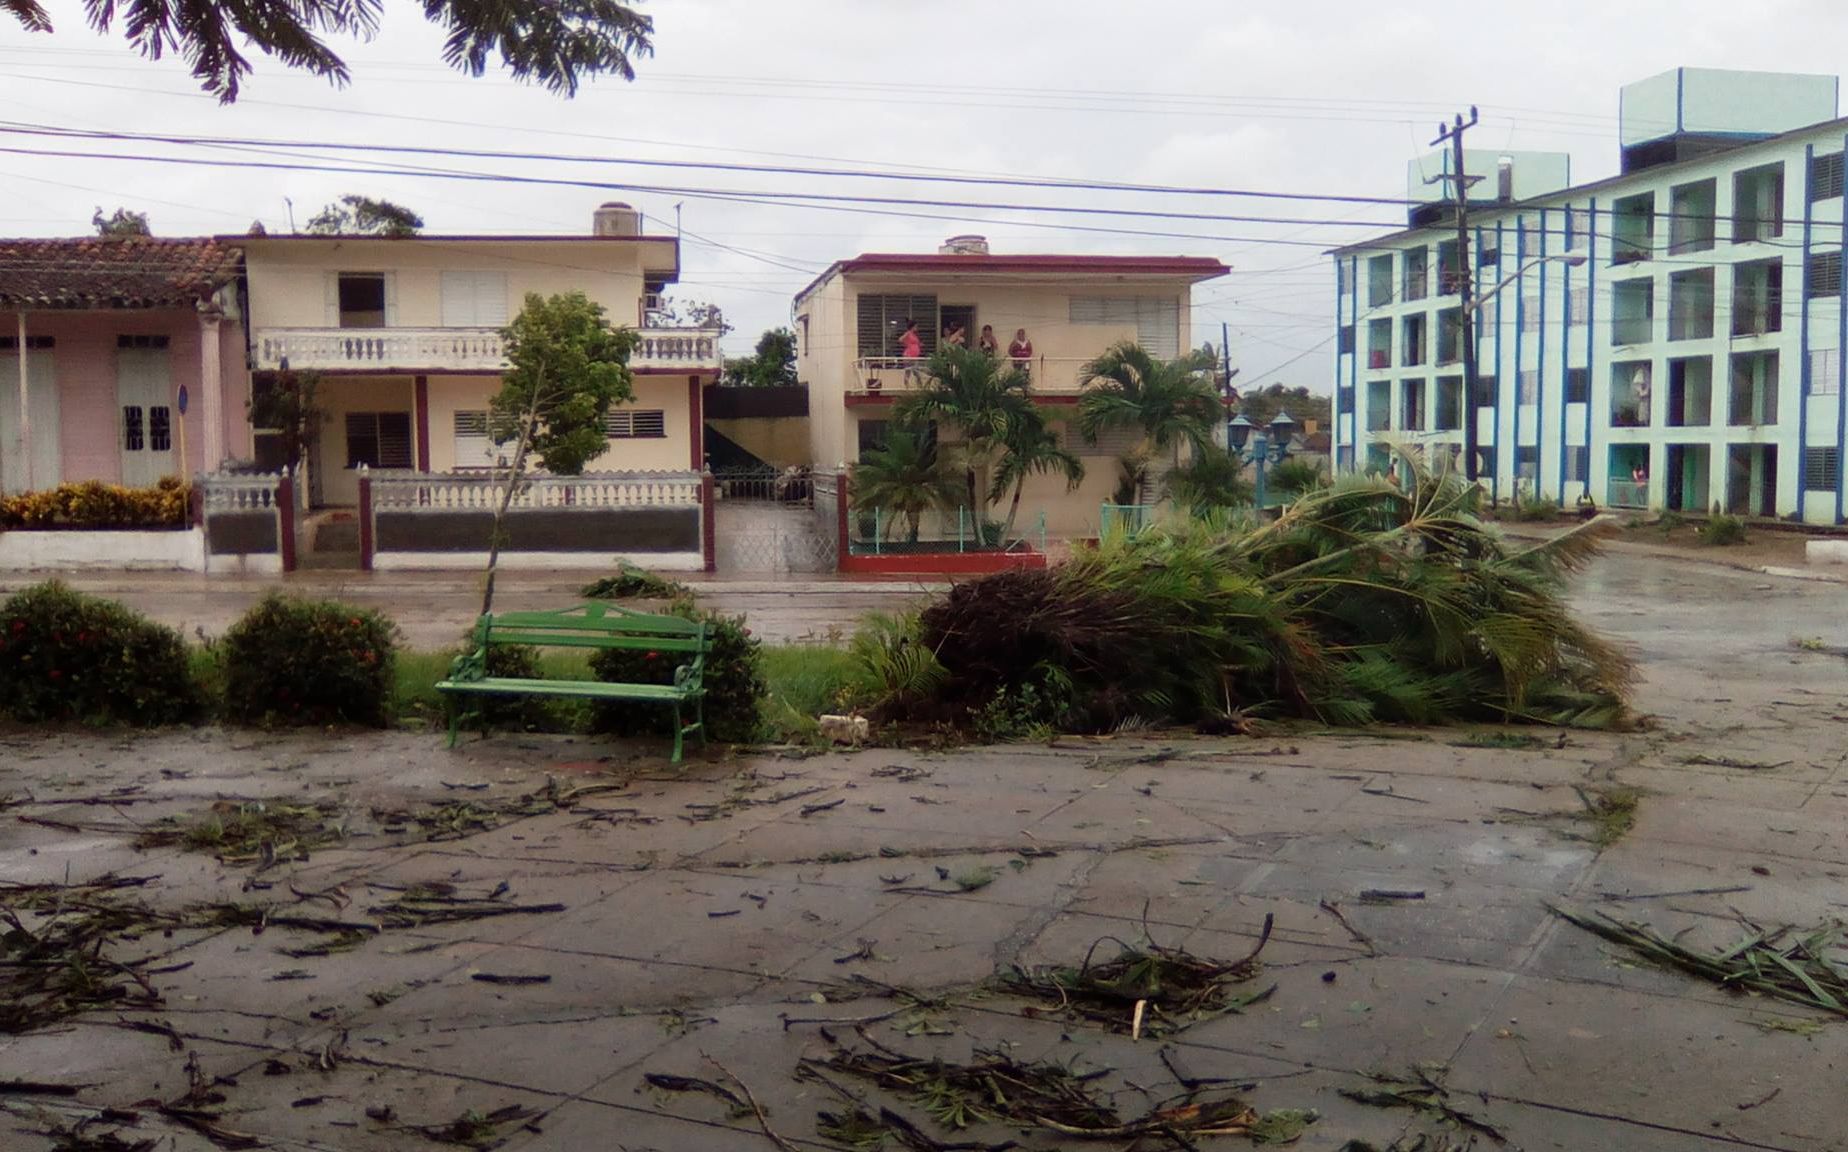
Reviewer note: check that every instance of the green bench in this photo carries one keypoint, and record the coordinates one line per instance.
(596, 626)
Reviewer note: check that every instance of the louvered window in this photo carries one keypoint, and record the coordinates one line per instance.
(474, 299)
(378, 439)
(882, 321)
(636, 424)
(1822, 469)
(1825, 176)
(1822, 274)
(1157, 320)
(1825, 367)
(473, 447)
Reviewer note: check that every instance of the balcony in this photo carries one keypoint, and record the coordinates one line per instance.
(890, 375)
(387, 350)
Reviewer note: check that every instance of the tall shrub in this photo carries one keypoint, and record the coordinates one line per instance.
(68, 656)
(292, 661)
(734, 682)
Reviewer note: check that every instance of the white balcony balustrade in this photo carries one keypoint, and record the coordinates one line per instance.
(455, 350)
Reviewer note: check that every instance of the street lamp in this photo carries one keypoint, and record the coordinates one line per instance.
(1264, 447)
(1471, 437)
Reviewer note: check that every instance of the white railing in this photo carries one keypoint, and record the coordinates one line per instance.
(227, 492)
(455, 349)
(451, 492)
(687, 348)
(1051, 375)
(380, 349)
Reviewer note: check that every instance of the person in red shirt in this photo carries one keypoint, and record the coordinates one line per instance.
(910, 344)
(1021, 350)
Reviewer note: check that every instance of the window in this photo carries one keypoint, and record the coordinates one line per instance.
(1485, 460)
(1754, 390)
(872, 436)
(1578, 306)
(1822, 469)
(1690, 305)
(1344, 459)
(360, 299)
(1527, 462)
(1633, 228)
(1379, 405)
(1530, 313)
(1578, 228)
(1633, 312)
(474, 299)
(1450, 336)
(1690, 225)
(1379, 343)
(636, 424)
(1412, 405)
(145, 342)
(1156, 319)
(1758, 204)
(472, 446)
(882, 320)
(378, 439)
(1527, 386)
(1822, 274)
(1825, 372)
(1758, 298)
(1486, 388)
(1825, 177)
(33, 343)
(1578, 463)
(1345, 343)
(133, 437)
(1449, 269)
(160, 428)
(1578, 385)
(1630, 394)
(1412, 340)
(1340, 277)
(1690, 392)
(1488, 252)
(1344, 396)
(1449, 414)
(1379, 281)
(1415, 276)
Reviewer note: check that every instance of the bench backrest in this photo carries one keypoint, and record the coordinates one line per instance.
(594, 626)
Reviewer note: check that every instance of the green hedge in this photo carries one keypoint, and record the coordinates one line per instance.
(289, 661)
(68, 656)
(734, 682)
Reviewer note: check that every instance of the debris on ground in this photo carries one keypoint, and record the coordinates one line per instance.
(1148, 989)
(1422, 1091)
(472, 1129)
(251, 831)
(1283, 1125)
(1611, 812)
(995, 1088)
(1808, 967)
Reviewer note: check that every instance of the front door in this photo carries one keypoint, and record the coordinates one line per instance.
(42, 393)
(146, 423)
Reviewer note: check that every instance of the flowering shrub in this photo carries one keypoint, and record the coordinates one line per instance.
(93, 504)
(309, 662)
(734, 682)
(67, 656)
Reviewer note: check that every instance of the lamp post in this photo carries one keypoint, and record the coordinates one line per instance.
(1264, 447)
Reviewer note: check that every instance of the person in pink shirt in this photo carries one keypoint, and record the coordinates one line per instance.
(910, 344)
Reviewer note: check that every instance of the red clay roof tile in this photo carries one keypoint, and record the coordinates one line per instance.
(117, 272)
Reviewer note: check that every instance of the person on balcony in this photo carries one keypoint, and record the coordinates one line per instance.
(954, 336)
(987, 342)
(910, 344)
(1021, 350)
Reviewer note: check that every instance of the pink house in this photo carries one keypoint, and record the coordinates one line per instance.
(121, 359)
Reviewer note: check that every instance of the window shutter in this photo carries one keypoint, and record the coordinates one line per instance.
(394, 439)
(872, 338)
(491, 299)
(458, 300)
(391, 303)
(472, 446)
(331, 282)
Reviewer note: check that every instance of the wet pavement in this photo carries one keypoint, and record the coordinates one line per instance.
(728, 919)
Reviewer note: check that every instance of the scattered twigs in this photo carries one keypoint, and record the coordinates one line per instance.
(1421, 1092)
(763, 1121)
(1360, 938)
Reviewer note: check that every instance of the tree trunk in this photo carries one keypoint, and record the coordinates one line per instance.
(1013, 510)
(516, 472)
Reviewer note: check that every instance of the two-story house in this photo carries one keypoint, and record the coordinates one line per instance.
(1670, 336)
(1069, 307)
(121, 360)
(405, 335)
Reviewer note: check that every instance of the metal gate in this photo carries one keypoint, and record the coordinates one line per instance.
(765, 523)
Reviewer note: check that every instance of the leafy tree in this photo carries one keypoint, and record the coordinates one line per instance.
(1031, 447)
(904, 477)
(364, 216)
(773, 365)
(122, 223)
(1211, 478)
(554, 43)
(1261, 405)
(288, 404)
(984, 397)
(1171, 402)
(694, 314)
(568, 366)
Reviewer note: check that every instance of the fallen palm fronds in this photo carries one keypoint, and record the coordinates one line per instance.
(1146, 989)
(1611, 812)
(251, 831)
(1784, 963)
(1362, 602)
(995, 1088)
(1424, 1093)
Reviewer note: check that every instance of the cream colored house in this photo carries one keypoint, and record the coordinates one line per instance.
(406, 336)
(1072, 307)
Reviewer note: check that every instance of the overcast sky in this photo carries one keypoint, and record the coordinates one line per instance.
(1311, 96)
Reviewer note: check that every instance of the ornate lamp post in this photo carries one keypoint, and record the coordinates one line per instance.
(1264, 447)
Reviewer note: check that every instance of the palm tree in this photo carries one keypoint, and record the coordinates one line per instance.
(1031, 448)
(984, 397)
(904, 477)
(1212, 478)
(1172, 402)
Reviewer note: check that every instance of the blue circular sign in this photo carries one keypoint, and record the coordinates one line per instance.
(183, 400)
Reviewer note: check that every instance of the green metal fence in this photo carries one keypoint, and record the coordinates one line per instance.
(880, 532)
(1123, 519)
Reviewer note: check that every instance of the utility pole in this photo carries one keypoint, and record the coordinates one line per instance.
(1459, 183)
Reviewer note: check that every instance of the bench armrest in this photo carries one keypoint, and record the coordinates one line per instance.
(469, 666)
(691, 677)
